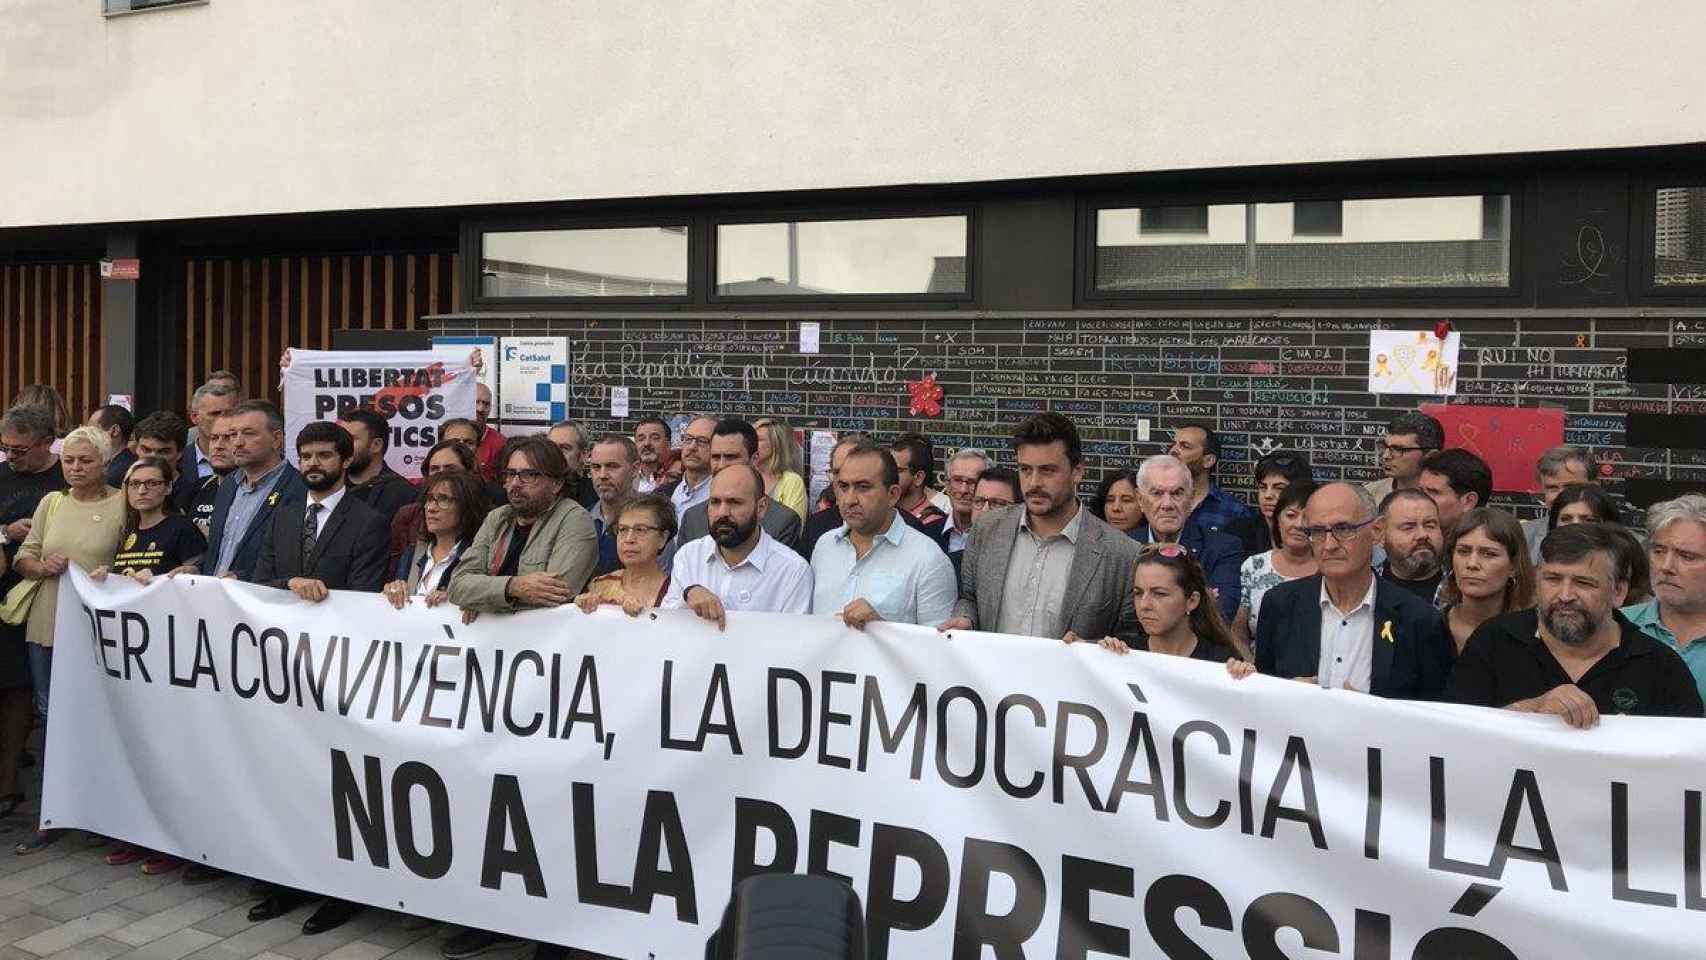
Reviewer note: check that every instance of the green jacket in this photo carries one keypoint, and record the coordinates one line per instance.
(563, 542)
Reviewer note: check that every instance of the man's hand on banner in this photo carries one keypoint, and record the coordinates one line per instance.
(706, 606)
(1566, 700)
(1114, 644)
(99, 574)
(539, 590)
(955, 623)
(308, 589)
(859, 613)
(1239, 669)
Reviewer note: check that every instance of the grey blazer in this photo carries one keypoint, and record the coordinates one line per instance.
(1098, 587)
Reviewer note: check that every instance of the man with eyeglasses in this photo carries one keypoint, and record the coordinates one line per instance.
(1409, 438)
(964, 468)
(733, 442)
(31, 472)
(1345, 628)
(1165, 491)
(614, 464)
(573, 440)
(539, 549)
(695, 484)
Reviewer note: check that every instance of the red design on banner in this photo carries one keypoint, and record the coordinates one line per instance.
(1510, 439)
(387, 401)
(926, 396)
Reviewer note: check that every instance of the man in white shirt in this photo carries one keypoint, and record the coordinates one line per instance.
(695, 483)
(963, 470)
(738, 566)
(874, 566)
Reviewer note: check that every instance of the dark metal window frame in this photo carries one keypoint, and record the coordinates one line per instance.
(1644, 224)
(155, 7)
(819, 215)
(1514, 292)
(473, 254)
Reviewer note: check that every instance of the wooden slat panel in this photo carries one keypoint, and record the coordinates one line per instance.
(50, 316)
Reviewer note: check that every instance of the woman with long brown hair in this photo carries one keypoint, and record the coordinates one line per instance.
(1488, 571)
(1175, 608)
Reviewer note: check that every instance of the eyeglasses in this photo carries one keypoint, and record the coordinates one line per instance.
(1395, 450)
(1171, 551)
(962, 481)
(440, 501)
(145, 484)
(690, 440)
(524, 476)
(990, 503)
(23, 451)
(1342, 532)
(625, 530)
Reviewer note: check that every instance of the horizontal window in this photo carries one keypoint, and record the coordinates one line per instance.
(1384, 243)
(133, 6)
(1679, 237)
(585, 262)
(826, 258)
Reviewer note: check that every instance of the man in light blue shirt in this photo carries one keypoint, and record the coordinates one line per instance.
(874, 566)
(1676, 616)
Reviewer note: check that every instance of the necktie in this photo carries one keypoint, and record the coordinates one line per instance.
(309, 530)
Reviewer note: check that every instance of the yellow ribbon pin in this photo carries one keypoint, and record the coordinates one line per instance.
(1386, 632)
(272, 501)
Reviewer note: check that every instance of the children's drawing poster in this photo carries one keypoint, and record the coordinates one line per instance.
(1413, 361)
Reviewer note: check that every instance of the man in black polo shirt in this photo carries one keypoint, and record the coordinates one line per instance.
(1575, 656)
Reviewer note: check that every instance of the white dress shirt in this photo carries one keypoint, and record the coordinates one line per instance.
(687, 497)
(772, 578)
(1347, 642)
(327, 505)
(905, 577)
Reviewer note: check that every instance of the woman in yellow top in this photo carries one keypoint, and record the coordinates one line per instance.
(779, 461)
(81, 526)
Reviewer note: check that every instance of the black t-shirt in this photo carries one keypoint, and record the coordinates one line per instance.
(21, 493)
(1505, 661)
(200, 503)
(386, 493)
(1205, 650)
(512, 555)
(1425, 589)
(161, 548)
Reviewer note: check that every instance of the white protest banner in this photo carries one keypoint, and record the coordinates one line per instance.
(416, 390)
(601, 781)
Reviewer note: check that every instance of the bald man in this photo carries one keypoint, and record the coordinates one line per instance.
(738, 566)
(1345, 627)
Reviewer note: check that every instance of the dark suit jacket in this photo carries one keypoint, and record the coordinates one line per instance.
(1097, 603)
(189, 481)
(349, 553)
(1414, 665)
(290, 491)
(1220, 554)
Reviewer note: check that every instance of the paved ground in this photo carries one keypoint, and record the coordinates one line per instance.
(65, 903)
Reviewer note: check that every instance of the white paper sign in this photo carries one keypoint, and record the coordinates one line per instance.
(415, 390)
(533, 379)
(618, 401)
(810, 333)
(1412, 362)
(488, 347)
(598, 780)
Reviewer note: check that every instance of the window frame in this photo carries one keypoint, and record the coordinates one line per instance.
(1517, 290)
(173, 5)
(832, 300)
(1644, 225)
(474, 236)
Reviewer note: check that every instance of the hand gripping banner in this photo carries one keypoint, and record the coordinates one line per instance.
(603, 781)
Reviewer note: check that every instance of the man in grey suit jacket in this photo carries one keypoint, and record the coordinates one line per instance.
(1046, 567)
(733, 441)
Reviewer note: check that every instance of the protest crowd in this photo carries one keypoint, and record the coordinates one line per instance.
(1412, 586)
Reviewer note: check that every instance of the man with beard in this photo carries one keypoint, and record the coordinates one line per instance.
(1345, 628)
(332, 541)
(1046, 567)
(370, 480)
(1576, 655)
(651, 443)
(539, 549)
(329, 541)
(1164, 489)
(490, 443)
(875, 567)
(1676, 551)
(738, 566)
(733, 442)
(614, 462)
(1411, 533)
